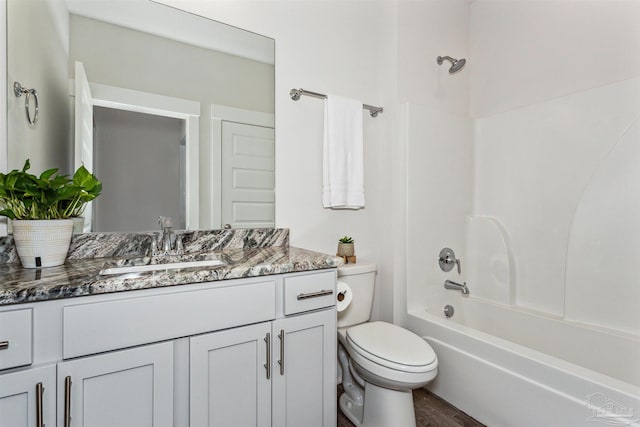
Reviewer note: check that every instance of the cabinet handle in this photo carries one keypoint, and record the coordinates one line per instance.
(321, 293)
(67, 402)
(281, 361)
(4, 345)
(39, 397)
(267, 365)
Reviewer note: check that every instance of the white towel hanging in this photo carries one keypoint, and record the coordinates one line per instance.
(343, 160)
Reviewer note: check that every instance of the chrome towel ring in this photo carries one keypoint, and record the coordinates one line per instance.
(18, 90)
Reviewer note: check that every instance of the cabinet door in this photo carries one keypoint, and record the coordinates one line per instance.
(304, 377)
(28, 398)
(229, 377)
(128, 388)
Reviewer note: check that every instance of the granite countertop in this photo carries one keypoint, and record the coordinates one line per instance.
(81, 277)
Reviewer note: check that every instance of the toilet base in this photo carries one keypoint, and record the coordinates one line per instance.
(382, 407)
(351, 409)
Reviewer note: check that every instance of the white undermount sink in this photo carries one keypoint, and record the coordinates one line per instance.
(158, 267)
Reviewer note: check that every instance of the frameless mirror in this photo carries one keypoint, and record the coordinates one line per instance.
(172, 111)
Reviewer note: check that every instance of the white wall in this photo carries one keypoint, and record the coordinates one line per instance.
(530, 51)
(341, 47)
(555, 91)
(38, 61)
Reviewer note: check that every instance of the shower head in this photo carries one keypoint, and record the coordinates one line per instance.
(456, 64)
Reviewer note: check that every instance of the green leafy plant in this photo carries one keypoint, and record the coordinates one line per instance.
(346, 239)
(49, 196)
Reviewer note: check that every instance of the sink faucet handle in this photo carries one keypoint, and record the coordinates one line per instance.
(166, 241)
(156, 246)
(179, 245)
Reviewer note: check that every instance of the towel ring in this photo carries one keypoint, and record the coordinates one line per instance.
(18, 90)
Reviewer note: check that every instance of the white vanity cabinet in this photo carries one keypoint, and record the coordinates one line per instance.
(126, 388)
(243, 352)
(230, 377)
(28, 397)
(304, 385)
(279, 373)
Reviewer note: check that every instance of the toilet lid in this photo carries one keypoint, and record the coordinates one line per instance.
(387, 342)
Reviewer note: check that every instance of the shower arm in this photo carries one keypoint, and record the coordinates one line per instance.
(448, 58)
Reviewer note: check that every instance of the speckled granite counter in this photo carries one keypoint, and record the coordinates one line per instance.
(80, 275)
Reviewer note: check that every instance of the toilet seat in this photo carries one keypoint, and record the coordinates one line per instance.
(392, 347)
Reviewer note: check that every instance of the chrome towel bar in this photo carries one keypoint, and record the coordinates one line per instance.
(296, 93)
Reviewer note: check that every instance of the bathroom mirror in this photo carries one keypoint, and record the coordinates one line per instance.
(172, 111)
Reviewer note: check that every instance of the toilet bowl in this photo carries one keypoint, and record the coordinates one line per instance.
(380, 362)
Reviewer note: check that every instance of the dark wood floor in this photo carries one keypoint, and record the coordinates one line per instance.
(431, 411)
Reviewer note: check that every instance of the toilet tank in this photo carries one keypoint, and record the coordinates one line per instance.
(361, 278)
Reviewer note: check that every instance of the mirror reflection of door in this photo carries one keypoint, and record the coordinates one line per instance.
(248, 175)
(144, 149)
(83, 149)
(140, 159)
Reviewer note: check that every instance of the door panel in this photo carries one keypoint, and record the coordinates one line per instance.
(248, 175)
(304, 394)
(228, 381)
(18, 395)
(83, 130)
(129, 388)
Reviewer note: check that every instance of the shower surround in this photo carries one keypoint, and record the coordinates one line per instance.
(534, 183)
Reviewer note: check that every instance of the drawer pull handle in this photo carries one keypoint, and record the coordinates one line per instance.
(67, 402)
(281, 361)
(39, 397)
(321, 293)
(4, 345)
(267, 365)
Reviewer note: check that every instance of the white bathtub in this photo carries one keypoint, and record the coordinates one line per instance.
(515, 368)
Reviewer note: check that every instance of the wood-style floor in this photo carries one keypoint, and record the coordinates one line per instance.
(431, 411)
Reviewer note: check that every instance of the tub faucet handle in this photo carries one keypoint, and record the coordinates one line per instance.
(447, 259)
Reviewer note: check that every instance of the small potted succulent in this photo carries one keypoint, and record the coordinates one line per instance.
(41, 209)
(345, 247)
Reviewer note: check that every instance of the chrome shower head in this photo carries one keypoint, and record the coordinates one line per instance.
(456, 64)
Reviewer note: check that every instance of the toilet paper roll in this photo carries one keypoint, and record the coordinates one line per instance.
(343, 296)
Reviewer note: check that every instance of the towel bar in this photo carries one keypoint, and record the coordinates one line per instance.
(296, 93)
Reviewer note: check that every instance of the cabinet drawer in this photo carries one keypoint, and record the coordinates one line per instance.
(110, 325)
(309, 292)
(15, 338)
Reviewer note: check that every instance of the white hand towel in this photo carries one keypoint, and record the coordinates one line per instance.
(343, 161)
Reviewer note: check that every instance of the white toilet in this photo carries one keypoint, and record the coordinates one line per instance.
(380, 363)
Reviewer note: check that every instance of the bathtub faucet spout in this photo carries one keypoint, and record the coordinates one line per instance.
(449, 284)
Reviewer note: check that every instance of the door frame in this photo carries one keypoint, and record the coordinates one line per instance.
(166, 106)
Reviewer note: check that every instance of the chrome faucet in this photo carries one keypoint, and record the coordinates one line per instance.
(449, 284)
(169, 240)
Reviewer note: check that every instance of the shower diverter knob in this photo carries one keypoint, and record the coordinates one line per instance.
(447, 259)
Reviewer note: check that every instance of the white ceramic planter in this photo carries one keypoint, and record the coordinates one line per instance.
(78, 225)
(42, 243)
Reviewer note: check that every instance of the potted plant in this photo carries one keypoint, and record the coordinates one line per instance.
(41, 208)
(83, 188)
(345, 247)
